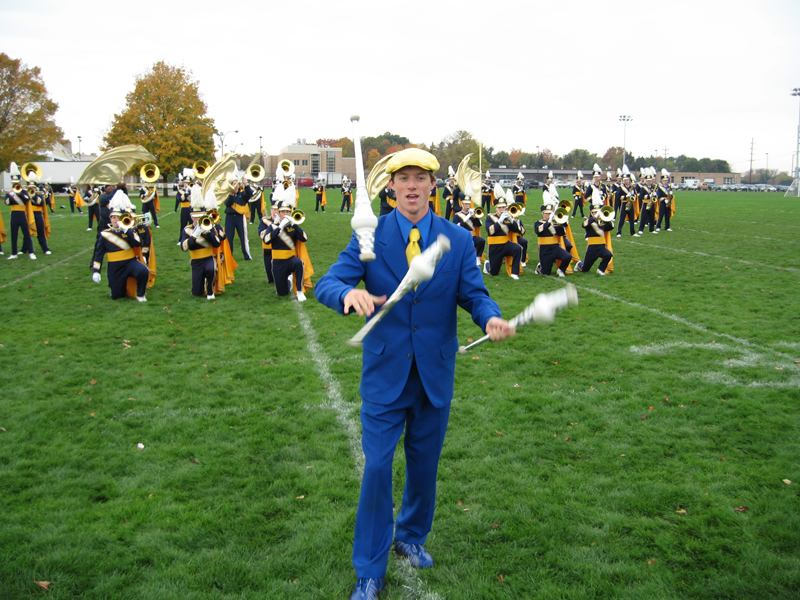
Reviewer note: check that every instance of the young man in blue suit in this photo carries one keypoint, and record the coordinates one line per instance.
(408, 363)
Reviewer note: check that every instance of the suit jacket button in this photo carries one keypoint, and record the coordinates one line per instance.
(414, 329)
(408, 356)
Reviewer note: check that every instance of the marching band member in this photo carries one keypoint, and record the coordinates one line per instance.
(499, 226)
(347, 194)
(466, 218)
(147, 251)
(627, 201)
(93, 205)
(520, 195)
(19, 200)
(256, 201)
(183, 199)
(433, 200)
(263, 227)
(236, 215)
(451, 195)
(75, 199)
(666, 201)
(487, 195)
(615, 197)
(647, 198)
(104, 202)
(199, 239)
(550, 191)
(550, 251)
(2, 234)
(321, 197)
(596, 229)
(284, 236)
(596, 191)
(49, 197)
(40, 226)
(117, 244)
(388, 201)
(150, 202)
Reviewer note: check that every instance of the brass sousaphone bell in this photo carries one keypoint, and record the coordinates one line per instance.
(607, 213)
(30, 172)
(255, 173)
(200, 168)
(561, 216)
(149, 173)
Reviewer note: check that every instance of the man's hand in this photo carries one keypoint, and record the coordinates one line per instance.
(497, 329)
(96, 277)
(362, 301)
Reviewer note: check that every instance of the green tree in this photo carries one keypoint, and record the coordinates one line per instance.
(166, 115)
(27, 126)
(613, 158)
(580, 159)
(454, 147)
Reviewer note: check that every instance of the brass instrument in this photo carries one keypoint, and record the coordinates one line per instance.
(30, 172)
(214, 215)
(126, 222)
(479, 214)
(516, 210)
(17, 187)
(561, 216)
(297, 216)
(287, 167)
(200, 168)
(255, 173)
(93, 198)
(607, 213)
(566, 205)
(206, 223)
(149, 173)
(32, 190)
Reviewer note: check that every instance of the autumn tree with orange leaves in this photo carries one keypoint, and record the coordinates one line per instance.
(166, 114)
(27, 125)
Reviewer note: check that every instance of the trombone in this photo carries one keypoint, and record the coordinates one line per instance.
(566, 205)
(126, 222)
(297, 216)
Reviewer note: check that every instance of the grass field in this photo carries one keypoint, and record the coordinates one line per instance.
(645, 445)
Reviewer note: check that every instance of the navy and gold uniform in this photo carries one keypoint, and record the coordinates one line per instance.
(388, 201)
(520, 195)
(550, 251)
(117, 246)
(666, 204)
(236, 218)
(647, 201)
(149, 198)
(264, 225)
(18, 201)
(183, 200)
(451, 194)
(200, 244)
(626, 197)
(93, 206)
(500, 227)
(256, 202)
(40, 221)
(284, 235)
(596, 244)
(466, 218)
(320, 197)
(75, 199)
(347, 196)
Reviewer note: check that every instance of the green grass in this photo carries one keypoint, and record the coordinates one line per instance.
(572, 451)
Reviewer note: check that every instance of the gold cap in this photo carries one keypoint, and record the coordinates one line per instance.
(412, 157)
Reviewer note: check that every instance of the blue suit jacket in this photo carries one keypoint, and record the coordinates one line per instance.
(422, 325)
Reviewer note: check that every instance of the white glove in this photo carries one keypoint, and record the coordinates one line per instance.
(284, 222)
(96, 277)
(505, 217)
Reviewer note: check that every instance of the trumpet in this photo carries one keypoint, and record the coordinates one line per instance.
(479, 214)
(516, 210)
(561, 216)
(297, 216)
(17, 187)
(566, 205)
(32, 190)
(206, 223)
(213, 214)
(607, 213)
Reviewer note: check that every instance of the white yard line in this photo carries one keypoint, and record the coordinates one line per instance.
(707, 255)
(43, 269)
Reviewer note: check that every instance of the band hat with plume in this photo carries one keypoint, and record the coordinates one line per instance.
(120, 204)
(579, 175)
(550, 175)
(619, 172)
(451, 174)
(665, 174)
(626, 172)
(210, 201)
(196, 199)
(468, 192)
(520, 175)
(609, 175)
(597, 171)
(412, 157)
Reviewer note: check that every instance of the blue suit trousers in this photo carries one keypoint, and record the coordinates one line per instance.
(382, 425)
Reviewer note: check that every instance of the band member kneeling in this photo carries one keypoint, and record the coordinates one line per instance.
(117, 243)
(264, 227)
(596, 228)
(468, 219)
(284, 235)
(499, 226)
(199, 239)
(550, 251)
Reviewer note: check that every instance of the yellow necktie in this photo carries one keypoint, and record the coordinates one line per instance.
(413, 245)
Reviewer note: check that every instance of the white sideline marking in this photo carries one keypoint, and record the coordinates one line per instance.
(725, 258)
(401, 569)
(739, 235)
(43, 269)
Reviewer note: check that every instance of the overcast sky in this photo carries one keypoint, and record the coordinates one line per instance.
(703, 78)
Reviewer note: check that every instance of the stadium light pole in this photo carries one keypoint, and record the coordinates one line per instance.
(222, 141)
(796, 92)
(625, 120)
(79, 147)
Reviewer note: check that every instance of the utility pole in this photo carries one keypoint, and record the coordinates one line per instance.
(750, 178)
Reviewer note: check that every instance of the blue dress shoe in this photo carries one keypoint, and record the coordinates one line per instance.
(367, 589)
(415, 553)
